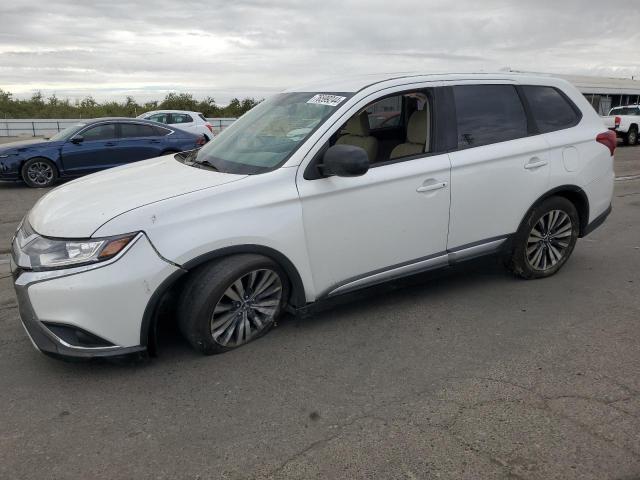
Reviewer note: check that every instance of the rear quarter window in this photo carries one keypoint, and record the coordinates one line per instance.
(551, 110)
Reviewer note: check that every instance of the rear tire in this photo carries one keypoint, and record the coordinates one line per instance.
(632, 136)
(232, 301)
(39, 172)
(545, 240)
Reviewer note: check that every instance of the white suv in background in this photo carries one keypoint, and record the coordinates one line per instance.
(300, 200)
(194, 122)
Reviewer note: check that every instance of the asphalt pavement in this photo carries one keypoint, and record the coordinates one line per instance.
(468, 373)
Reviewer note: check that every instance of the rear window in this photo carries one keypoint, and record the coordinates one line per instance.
(488, 114)
(202, 117)
(551, 110)
(625, 111)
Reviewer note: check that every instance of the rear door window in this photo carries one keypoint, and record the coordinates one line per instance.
(488, 114)
(177, 118)
(159, 117)
(551, 110)
(135, 130)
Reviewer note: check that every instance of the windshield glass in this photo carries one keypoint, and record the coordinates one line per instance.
(266, 136)
(67, 133)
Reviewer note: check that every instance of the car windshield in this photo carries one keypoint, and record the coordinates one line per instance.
(67, 133)
(266, 136)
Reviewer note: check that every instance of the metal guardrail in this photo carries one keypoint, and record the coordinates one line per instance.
(47, 127)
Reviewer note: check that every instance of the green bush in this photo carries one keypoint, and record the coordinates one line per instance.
(53, 107)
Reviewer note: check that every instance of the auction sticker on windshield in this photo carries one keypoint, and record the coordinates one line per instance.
(325, 99)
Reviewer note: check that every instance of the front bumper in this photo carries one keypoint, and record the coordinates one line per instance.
(9, 170)
(103, 303)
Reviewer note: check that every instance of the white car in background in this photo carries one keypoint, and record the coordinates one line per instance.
(193, 122)
(301, 200)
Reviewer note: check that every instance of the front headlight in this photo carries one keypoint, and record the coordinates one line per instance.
(43, 253)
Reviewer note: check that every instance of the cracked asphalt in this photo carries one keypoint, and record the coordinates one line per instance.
(468, 373)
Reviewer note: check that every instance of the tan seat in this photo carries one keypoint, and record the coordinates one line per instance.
(417, 135)
(357, 129)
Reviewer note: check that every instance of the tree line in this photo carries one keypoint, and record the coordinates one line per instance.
(53, 107)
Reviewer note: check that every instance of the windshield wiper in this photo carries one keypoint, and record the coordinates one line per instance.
(206, 163)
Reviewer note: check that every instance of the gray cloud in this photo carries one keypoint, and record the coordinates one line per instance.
(253, 47)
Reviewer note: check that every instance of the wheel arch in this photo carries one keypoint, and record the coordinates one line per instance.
(575, 195)
(56, 167)
(172, 283)
(43, 157)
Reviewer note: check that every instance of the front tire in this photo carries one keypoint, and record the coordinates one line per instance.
(232, 301)
(39, 172)
(545, 240)
(632, 136)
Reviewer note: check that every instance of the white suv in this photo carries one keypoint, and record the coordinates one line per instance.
(193, 122)
(301, 200)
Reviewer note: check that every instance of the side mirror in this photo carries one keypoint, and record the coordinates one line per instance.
(345, 161)
(77, 139)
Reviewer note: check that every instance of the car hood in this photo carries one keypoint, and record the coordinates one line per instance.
(22, 145)
(78, 208)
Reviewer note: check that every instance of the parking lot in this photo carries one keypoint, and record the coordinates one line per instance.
(467, 373)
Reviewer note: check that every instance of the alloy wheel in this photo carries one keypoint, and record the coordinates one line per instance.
(247, 307)
(40, 173)
(549, 240)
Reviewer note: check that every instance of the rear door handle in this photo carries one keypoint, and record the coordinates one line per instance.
(110, 144)
(534, 163)
(431, 186)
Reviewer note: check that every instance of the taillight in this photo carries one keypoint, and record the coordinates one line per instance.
(208, 125)
(201, 141)
(617, 121)
(609, 140)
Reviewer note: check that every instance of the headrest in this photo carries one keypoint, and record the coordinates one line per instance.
(417, 127)
(359, 125)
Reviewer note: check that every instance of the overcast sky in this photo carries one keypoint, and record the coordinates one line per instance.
(147, 48)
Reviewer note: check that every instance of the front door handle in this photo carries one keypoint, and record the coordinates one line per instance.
(431, 187)
(110, 144)
(534, 163)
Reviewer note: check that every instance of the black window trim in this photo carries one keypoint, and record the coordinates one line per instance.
(437, 145)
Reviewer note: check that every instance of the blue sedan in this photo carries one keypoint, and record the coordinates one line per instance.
(91, 146)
